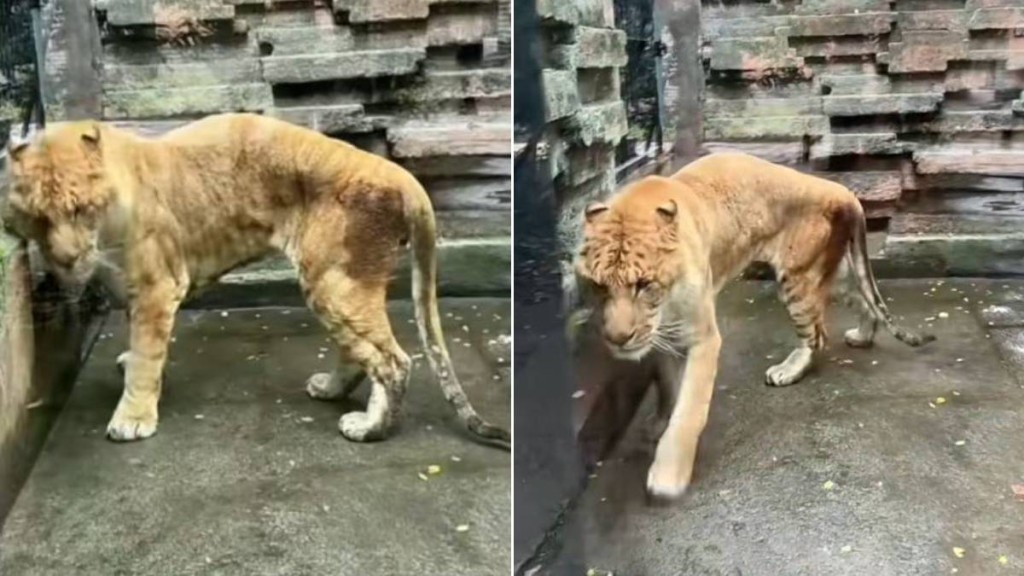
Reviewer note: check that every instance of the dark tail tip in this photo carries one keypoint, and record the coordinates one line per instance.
(914, 340)
(489, 434)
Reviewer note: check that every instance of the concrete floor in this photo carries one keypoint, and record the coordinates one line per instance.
(850, 472)
(247, 475)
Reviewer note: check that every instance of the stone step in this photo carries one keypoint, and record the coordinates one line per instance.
(170, 102)
(970, 160)
(329, 119)
(470, 193)
(958, 244)
(450, 137)
(158, 12)
(306, 68)
(454, 85)
(181, 74)
(866, 105)
(476, 267)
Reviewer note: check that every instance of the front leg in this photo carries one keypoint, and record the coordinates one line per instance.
(674, 457)
(151, 320)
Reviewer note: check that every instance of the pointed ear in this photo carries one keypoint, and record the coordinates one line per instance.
(91, 135)
(668, 211)
(594, 210)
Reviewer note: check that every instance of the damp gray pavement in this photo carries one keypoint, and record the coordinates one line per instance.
(248, 475)
(860, 469)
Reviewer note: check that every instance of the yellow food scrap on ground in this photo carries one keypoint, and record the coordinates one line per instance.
(846, 549)
(940, 400)
(958, 551)
(462, 528)
(433, 469)
(828, 485)
(422, 476)
(1003, 560)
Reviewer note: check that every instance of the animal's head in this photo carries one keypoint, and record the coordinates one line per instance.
(57, 196)
(627, 267)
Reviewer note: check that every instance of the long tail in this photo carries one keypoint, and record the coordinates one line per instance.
(422, 238)
(865, 280)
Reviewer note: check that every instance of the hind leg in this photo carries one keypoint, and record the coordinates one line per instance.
(356, 315)
(337, 384)
(807, 310)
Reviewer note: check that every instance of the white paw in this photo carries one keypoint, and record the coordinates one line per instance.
(126, 429)
(669, 478)
(322, 386)
(122, 360)
(781, 375)
(357, 427)
(791, 369)
(854, 339)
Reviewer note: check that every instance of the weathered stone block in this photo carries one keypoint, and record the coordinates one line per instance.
(926, 51)
(561, 94)
(295, 40)
(750, 128)
(604, 123)
(970, 160)
(461, 137)
(366, 11)
(753, 54)
(838, 46)
(881, 104)
(952, 122)
(160, 12)
(470, 194)
(763, 106)
(868, 186)
(600, 48)
(328, 119)
(187, 101)
(849, 84)
(456, 84)
(865, 24)
(558, 11)
(826, 7)
(318, 67)
(779, 152)
(181, 74)
(849, 144)
(464, 165)
(997, 18)
(456, 28)
(584, 163)
(963, 182)
(719, 28)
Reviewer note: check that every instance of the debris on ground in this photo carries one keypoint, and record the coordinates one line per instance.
(958, 551)
(433, 470)
(1018, 491)
(828, 485)
(462, 528)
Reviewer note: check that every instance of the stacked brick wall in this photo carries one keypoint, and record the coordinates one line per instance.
(581, 53)
(917, 105)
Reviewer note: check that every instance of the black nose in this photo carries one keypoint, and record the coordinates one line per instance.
(620, 337)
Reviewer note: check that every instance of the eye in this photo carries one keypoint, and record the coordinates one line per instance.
(642, 285)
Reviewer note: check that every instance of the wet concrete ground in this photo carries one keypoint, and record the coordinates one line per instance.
(859, 469)
(247, 475)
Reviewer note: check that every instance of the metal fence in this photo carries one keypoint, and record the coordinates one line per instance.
(18, 70)
(640, 81)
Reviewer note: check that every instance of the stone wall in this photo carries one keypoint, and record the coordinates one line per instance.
(581, 53)
(914, 104)
(424, 82)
